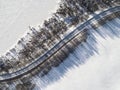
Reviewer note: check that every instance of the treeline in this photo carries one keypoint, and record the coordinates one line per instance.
(38, 41)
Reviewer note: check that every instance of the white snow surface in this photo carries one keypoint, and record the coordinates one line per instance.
(17, 15)
(100, 72)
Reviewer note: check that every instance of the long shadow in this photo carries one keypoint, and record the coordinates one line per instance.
(81, 53)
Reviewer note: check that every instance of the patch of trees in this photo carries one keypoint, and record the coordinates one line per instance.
(42, 39)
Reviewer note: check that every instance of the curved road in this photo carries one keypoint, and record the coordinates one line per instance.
(41, 59)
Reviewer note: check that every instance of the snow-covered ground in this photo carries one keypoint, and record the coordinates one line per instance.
(101, 71)
(17, 15)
